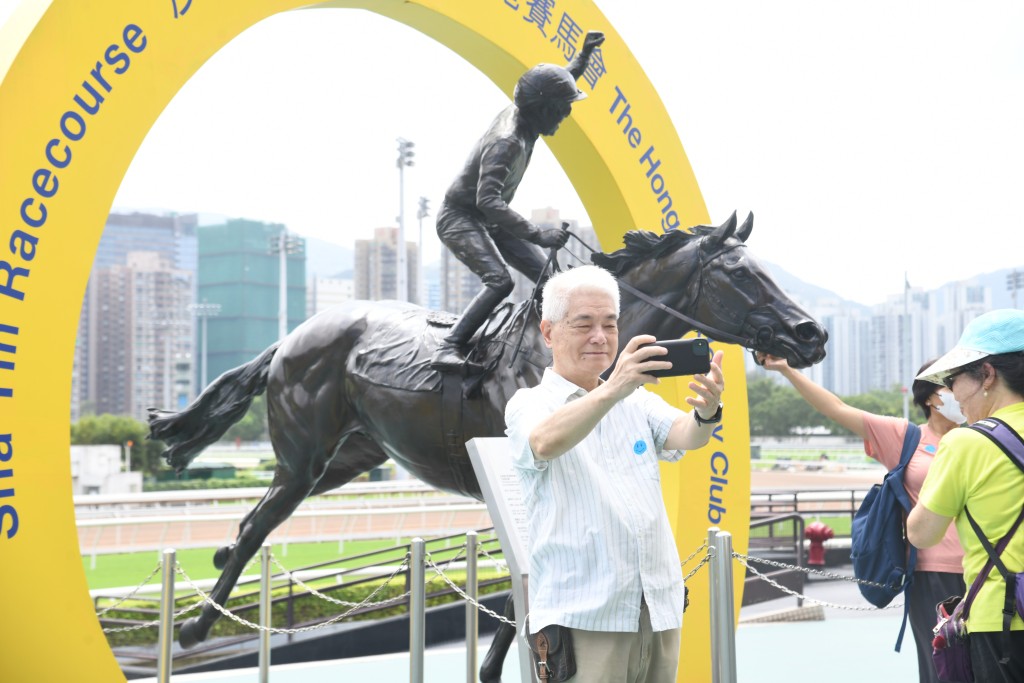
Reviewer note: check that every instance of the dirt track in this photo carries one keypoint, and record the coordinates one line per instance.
(804, 480)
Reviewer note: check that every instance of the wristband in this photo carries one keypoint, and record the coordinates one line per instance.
(714, 419)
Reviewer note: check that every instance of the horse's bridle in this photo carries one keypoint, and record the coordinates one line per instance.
(706, 330)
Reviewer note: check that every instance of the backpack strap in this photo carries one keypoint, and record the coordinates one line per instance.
(1010, 443)
(911, 438)
(1004, 436)
(1009, 578)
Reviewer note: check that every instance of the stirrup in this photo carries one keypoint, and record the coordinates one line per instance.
(448, 358)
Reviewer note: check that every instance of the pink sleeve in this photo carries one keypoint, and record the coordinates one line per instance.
(884, 438)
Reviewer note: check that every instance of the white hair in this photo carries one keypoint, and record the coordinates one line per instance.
(559, 289)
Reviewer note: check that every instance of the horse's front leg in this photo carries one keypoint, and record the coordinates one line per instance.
(490, 670)
(280, 501)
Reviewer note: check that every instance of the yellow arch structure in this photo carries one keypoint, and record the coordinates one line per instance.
(82, 83)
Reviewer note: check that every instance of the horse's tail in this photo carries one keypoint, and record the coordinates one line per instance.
(223, 403)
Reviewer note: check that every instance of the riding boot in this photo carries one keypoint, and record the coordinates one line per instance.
(449, 354)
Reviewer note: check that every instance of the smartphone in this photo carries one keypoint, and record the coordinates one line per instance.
(688, 357)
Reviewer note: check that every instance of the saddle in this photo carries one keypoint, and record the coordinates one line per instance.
(398, 355)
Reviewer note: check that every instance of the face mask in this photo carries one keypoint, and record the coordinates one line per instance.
(950, 408)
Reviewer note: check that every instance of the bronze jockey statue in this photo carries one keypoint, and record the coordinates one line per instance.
(475, 220)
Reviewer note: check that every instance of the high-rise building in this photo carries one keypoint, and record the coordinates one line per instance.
(458, 283)
(375, 273)
(240, 271)
(142, 355)
(102, 374)
(883, 347)
(324, 292)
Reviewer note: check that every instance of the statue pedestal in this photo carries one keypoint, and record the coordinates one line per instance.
(500, 486)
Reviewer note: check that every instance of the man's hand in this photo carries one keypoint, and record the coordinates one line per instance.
(708, 388)
(633, 365)
(552, 237)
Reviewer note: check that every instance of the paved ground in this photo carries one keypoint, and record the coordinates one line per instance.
(848, 646)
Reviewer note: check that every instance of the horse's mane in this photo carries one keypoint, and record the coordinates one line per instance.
(643, 245)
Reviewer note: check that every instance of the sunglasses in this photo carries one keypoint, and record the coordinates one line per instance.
(949, 380)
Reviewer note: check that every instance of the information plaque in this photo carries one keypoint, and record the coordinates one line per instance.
(499, 483)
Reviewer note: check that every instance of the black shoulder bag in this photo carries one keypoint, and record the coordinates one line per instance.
(552, 653)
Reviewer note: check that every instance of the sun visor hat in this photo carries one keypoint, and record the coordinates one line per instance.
(995, 332)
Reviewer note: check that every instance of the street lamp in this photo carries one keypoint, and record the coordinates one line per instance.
(203, 311)
(284, 244)
(422, 212)
(405, 155)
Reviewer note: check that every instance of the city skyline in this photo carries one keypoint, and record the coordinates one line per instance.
(863, 165)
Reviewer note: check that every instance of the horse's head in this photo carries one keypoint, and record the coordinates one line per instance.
(709, 275)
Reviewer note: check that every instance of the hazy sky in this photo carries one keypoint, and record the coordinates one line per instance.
(869, 138)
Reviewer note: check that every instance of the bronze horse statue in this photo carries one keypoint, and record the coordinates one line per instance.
(352, 386)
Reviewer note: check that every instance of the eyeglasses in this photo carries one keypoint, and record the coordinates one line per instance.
(949, 380)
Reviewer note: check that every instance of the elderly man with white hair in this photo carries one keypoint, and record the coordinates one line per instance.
(604, 568)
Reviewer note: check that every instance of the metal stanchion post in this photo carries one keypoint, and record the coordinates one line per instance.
(264, 657)
(713, 597)
(417, 610)
(724, 605)
(472, 625)
(166, 635)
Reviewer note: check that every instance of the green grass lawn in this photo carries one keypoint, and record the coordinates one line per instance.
(840, 524)
(129, 569)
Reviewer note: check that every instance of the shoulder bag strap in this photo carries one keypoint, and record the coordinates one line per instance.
(1009, 579)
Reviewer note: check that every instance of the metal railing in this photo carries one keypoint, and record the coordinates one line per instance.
(820, 502)
(418, 563)
(291, 589)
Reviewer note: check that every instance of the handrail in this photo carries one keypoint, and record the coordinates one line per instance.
(440, 548)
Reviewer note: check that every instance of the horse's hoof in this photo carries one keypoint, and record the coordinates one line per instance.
(189, 635)
(221, 557)
(488, 675)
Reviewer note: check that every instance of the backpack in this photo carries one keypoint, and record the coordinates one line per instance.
(879, 550)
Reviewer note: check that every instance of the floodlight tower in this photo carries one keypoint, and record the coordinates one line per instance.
(284, 244)
(422, 212)
(405, 155)
(203, 311)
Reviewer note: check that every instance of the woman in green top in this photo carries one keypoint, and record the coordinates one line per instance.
(985, 372)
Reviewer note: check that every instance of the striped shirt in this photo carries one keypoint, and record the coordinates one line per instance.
(599, 534)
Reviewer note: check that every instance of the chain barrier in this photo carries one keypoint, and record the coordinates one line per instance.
(343, 603)
(147, 624)
(465, 596)
(248, 624)
(130, 595)
(151, 624)
(500, 564)
(743, 561)
(704, 561)
(808, 570)
(439, 572)
(155, 622)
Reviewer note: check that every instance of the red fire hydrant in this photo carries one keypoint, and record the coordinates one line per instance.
(817, 533)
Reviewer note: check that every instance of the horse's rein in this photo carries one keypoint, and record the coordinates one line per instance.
(707, 330)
